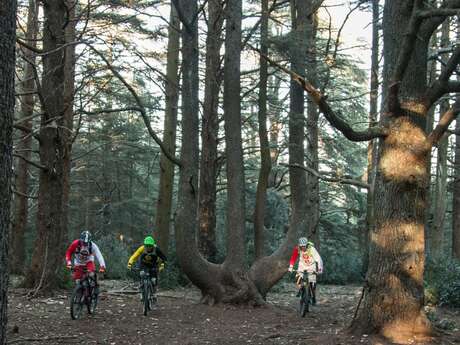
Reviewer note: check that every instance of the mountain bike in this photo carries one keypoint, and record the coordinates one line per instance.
(306, 291)
(148, 288)
(84, 293)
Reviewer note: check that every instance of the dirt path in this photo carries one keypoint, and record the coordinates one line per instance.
(180, 319)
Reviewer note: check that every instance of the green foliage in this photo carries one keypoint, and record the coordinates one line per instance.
(442, 282)
(116, 255)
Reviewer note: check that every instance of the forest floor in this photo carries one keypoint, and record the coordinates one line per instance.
(179, 318)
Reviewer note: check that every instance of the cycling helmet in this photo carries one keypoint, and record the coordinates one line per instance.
(303, 241)
(85, 236)
(149, 241)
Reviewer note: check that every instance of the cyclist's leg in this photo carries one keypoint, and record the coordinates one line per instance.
(298, 282)
(313, 292)
(77, 274)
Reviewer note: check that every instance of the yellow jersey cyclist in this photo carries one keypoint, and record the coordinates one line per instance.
(148, 255)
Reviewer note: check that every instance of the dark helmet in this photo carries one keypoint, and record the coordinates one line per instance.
(85, 237)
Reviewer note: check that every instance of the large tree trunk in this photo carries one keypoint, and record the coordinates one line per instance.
(7, 68)
(393, 304)
(264, 173)
(24, 146)
(164, 203)
(312, 215)
(49, 245)
(209, 133)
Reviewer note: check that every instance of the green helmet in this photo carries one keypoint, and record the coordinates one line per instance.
(149, 241)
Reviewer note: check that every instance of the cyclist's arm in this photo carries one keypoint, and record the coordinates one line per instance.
(136, 254)
(295, 254)
(71, 250)
(98, 254)
(318, 259)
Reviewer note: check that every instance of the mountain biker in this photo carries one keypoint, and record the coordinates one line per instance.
(148, 255)
(84, 250)
(309, 260)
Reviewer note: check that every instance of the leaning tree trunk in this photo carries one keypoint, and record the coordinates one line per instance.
(7, 67)
(49, 246)
(209, 133)
(164, 203)
(25, 145)
(393, 304)
(264, 173)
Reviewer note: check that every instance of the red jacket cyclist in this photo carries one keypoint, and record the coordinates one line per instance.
(84, 250)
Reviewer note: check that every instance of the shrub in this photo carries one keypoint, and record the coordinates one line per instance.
(442, 282)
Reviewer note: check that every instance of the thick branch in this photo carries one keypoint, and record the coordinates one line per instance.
(141, 108)
(334, 119)
(443, 125)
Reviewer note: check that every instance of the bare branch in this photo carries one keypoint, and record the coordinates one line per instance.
(35, 164)
(338, 179)
(320, 100)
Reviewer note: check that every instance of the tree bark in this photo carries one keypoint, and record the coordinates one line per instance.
(393, 303)
(7, 69)
(164, 202)
(24, 146)
(456, 196)
(299, 12)
(313, 201)
(49, 245)
(236, 241)
(69, 92)
(209, 133)
(439, 205)
(372, 145)
(265, 168)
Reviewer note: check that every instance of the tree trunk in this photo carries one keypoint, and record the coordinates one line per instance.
(236, 240)
(24, 146)
(312, 215)
(439, 205)
(67, 133)
(49, 246)
(274, 114)
(209, 133)
(264, 173)
(7, 69)
(164, 203)
(393, 303)
(297, 121)
(456, 195)
(372, 145)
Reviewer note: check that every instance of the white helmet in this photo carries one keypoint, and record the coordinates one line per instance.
(303, 242)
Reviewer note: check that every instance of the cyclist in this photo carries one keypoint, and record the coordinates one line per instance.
(309, 260)
(148, 255)
(84, 250)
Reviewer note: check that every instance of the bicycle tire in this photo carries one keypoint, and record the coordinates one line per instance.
(145, 297)
(91, 303)
(303, 304)
(76, 304)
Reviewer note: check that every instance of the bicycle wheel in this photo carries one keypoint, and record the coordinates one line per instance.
(91, 302)
(307, 301)
(76, 303)
(146, 297)
(303, 304)
(153, 299)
